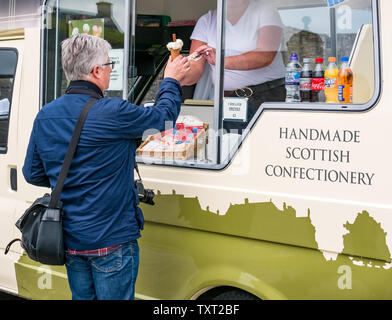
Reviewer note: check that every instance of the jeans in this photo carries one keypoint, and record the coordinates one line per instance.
(110, 277)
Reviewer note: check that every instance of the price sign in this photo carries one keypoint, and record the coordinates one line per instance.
(235, 109)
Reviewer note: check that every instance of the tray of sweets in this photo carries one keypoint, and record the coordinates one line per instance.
(183, 142)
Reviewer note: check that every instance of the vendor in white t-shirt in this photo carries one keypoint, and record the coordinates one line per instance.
(253, 64)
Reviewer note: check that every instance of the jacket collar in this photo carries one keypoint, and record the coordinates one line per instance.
(83, 86)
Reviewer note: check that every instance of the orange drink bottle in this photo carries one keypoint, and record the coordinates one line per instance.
(331, 81)
(345, 82)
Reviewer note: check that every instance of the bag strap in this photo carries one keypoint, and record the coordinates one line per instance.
(137, 170)
(9, 245)
(55, 197)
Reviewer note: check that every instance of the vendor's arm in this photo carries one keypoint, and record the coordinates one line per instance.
(267, 48)
(196, 67)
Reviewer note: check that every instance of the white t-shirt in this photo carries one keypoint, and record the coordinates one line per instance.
(240, 38)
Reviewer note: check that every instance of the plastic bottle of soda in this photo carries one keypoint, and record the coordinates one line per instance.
(305, 87)
(331, 81)
(318, 82)
(293, 72)
(345, 82)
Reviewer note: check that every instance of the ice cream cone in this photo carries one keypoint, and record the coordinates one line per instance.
(175, 47)
(175, 53)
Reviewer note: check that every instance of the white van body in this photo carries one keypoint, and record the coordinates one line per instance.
(302, 210)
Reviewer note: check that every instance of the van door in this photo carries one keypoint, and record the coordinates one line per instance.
(11, 57)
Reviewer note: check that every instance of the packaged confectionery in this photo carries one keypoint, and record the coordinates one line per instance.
(187, 140)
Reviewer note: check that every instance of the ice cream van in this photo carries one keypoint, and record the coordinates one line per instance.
(266, 199)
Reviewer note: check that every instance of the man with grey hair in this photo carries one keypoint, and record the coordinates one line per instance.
(102, 220)
(89, 52)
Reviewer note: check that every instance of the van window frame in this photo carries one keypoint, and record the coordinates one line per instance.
(5, 150)
(130, 6)
(46, 13)
(281, 106)
(327, 107)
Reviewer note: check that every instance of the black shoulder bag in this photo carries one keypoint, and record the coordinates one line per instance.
(42, 223)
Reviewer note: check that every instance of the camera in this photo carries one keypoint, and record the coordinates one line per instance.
(145, 195)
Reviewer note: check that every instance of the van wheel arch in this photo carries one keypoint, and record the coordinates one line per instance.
(227, 293)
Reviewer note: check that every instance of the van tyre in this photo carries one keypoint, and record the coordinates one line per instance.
(235, 295)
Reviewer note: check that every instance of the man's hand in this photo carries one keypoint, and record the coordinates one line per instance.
(177, 68)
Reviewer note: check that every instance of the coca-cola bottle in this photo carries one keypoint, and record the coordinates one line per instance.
(318, 82)
(306, 82)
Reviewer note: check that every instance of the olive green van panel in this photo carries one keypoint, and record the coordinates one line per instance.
(265, 221)
(37, 281)
(177, 263)
(253, 220)
(366, 238)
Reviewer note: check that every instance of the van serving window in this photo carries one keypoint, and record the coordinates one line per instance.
(105, 19)
(274, 55)
(8, 60)
(246, 56)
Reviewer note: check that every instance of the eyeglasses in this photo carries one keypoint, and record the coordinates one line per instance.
(112, 63)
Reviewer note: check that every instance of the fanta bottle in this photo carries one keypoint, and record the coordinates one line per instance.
(345, 82)
(331, 81)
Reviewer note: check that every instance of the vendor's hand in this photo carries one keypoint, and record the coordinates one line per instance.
(177, 68)
(208, 52)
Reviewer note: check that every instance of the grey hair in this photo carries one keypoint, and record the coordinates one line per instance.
(81, 53)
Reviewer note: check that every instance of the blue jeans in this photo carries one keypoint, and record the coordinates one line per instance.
(110, 277)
